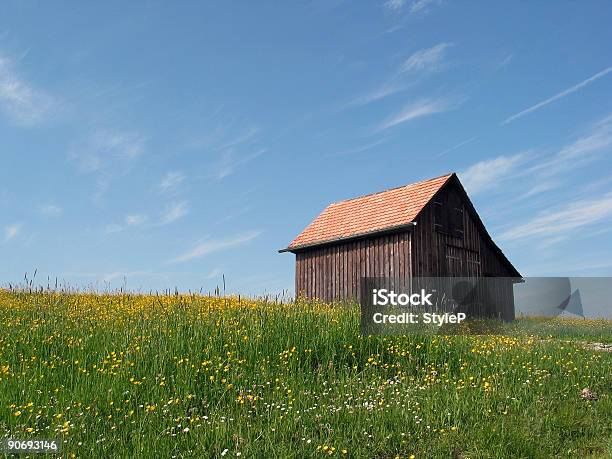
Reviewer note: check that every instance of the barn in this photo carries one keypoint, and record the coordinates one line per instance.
(425, 229)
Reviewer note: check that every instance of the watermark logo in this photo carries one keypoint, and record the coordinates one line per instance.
(480, 305)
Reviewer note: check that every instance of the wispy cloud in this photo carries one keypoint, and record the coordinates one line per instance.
(51, 210)
(171, 181)
(130, 220)
(21, 102)
(394, 5)
(558, 96)
(490, 173)
(221, 133)
(539, 188)
(599, 138)
(426, 60)
(174, 211)
(231, 144)
(113, 228)
(106, 147)
(387, 89)
(557, 224)
(362, 148)
(107, 154)
(216, 245)
(12, 231)
(230, 161)
(213, 274)
(596, 140)
(135, 219)
(245, 137)
(419, 64)
(419, 6)
(418, 109)
(534, 173)
(505, 61)
(455, 147)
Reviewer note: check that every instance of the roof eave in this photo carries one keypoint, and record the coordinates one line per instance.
(352, 237)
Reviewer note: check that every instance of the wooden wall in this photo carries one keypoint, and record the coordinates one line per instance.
(332, 273)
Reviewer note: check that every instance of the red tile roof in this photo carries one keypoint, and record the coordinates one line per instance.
(369, 214)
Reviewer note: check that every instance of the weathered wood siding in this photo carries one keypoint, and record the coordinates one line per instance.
(332, 273)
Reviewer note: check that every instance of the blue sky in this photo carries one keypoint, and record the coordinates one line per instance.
(161, 146)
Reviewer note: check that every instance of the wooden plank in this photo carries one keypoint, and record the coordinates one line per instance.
(339, 273)
(401, 261)
(347, 277)
(298, 273)
(319, 275)
(341, 280)
(336, 257)
(309, 261)
(351, 271)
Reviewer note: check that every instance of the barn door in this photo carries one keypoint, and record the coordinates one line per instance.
(461, 262)
(454, 261)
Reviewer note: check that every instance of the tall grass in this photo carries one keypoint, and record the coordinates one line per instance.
(121, 375)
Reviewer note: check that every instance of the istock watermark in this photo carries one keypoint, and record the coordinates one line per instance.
(476, 305)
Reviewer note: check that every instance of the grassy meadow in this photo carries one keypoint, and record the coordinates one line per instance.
(160, 376)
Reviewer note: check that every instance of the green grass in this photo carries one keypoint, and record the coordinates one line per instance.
(125, 375)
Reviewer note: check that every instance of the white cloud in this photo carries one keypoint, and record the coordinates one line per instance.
(489, 173)
(394, 5)
(246, 137)
(19, 100)
(416, 110)
(538, 189)
(422, 5)
(454, 147)
(558, 96)
(554, 226)
(599, 138)
(11, 231)
(174, 211)
(216, 245)
(430, 59)
(113, 228)
(130, 220)
(107, 149)
(213, 274)
(362, 148)
(417, 6)
(51, 210)
(544, 171)
(582, 151)
(230, 162)
(386, 90)
(422, 62)
(171, 180)
(135, 219)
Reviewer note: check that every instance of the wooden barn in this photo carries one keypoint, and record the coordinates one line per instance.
(425, 229)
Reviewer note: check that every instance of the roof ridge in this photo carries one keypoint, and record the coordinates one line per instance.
(393, 188)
